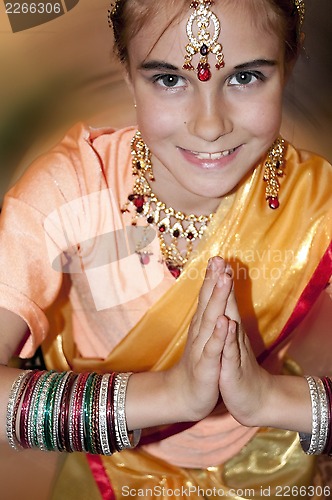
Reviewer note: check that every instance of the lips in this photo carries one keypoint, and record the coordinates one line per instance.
(202, 159)
(213, 156)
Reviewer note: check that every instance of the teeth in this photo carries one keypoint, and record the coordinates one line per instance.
(214, 156)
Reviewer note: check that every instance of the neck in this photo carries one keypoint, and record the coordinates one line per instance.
(170, 192)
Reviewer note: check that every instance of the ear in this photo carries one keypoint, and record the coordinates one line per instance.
(128, 80)
(289, 66)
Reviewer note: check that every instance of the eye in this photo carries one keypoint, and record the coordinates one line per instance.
(169, 81)
(245, 78)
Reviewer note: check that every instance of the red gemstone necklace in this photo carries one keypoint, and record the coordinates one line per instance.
(176, 231)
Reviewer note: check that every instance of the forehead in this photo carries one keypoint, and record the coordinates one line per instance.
(246, 28)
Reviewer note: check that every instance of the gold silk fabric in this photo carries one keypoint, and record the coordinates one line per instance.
(274, 255)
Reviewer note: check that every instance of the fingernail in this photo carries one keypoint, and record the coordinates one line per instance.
(228, 270)
(214, 265)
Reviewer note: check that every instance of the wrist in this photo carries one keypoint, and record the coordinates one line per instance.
(153, 398)
(286, 404)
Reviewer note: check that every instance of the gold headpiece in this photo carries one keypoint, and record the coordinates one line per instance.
(112, 11)
(204, 42)
(299, 4)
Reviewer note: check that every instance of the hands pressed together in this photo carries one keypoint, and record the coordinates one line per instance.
(218, 359)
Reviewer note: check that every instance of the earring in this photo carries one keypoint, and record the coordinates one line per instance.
(141, 157)
(274, 165)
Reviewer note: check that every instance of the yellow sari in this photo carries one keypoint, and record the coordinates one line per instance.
(279, 268)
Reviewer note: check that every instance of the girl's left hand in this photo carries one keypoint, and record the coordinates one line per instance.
(244, 384)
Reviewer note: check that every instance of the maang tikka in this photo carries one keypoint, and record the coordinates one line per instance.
(203, 41)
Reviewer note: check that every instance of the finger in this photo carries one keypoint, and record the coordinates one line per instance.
(215, 344)
(232, 352)
(215, 266)
(209, 363)
(232, 310)
(215, 308)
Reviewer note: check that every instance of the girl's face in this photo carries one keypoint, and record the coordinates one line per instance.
(206, 136)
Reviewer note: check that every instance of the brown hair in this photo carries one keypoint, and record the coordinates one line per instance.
(132, 15)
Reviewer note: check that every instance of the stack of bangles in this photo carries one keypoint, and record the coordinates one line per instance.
(320, 439)
(69, 412)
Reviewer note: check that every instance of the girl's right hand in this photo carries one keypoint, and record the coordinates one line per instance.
(195, 378)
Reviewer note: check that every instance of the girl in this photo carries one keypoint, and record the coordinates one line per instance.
(105, 265)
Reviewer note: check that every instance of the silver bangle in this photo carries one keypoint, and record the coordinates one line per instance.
(103, 430)
(124, 439)
(15, 394)
(324, 417)
(310, 442)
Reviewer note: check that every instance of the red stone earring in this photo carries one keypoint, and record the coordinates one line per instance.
(204, 42)
(273, 171)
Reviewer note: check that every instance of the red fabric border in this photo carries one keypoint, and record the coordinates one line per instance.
(101, 477)
(310, 294)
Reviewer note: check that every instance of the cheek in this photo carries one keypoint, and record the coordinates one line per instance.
(157, 119)
(263, 117)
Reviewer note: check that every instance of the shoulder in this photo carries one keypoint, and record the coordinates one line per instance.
(83, 140)
(75, 165)
(307, 163)
(308, 179)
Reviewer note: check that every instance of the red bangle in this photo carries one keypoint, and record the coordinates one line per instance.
(64, 414)
(25, 409)
(78, 443)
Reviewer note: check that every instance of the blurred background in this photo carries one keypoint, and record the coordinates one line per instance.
(63, 71)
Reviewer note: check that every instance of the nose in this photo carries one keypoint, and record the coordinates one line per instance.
(211, 117)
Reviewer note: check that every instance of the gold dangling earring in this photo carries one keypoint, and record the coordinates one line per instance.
(141, 157)
(274, 165)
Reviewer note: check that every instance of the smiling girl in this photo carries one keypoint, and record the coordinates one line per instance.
(112, 266)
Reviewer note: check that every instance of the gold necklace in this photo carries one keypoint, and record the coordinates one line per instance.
(172, 225)
(175, 226)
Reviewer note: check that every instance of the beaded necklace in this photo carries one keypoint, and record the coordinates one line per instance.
(174, 227)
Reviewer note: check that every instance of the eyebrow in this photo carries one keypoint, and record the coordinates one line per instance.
(256, 63)
(158, 65)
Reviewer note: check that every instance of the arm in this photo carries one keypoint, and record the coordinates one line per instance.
(187, 392)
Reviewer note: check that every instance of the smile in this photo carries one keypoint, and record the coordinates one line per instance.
(213, 156)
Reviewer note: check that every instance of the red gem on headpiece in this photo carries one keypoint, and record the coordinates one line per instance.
(220, 65)
(188, 66)
(203, 72)
(274, 203)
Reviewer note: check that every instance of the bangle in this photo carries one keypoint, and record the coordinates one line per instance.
(15, 395)
(309, 442)
(324, 420)
(69, 412)
(317, 442)
(124, 440)
(328, 387)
